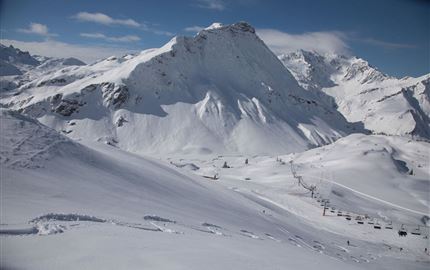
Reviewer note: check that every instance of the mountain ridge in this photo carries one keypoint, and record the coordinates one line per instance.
(363, 93)
(220, 91)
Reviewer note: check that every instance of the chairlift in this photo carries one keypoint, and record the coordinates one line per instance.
(416, 231)
(359, 220)
(339, 213)
(347, 216)
(402, 231)
(371, 222)
(377, 226)
(389, 226)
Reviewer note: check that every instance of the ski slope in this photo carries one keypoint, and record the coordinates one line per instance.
(360, 175)
(73, 200)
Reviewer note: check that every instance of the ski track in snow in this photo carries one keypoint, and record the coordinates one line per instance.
(368, 196)
(47, 225)
(52, 223)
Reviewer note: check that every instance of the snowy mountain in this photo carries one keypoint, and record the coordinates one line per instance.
(13, 61)
(384, 104)
(18, 68)
(16, 56)
(196, 155)
(220, 91)
(24, 62)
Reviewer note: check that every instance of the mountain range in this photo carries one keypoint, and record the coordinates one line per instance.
(221, 91)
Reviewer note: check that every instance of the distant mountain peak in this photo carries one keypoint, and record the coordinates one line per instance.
(384, 104)
(240, 26)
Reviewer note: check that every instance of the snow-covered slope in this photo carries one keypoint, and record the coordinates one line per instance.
(385, 105)
(131, 212)
(220, 91)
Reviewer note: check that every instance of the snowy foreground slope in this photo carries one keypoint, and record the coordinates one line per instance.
(69, 206)
(220, 91)
(384, 104)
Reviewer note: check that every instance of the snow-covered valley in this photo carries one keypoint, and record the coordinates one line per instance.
(212, 153)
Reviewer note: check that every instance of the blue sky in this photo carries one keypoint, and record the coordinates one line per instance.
(392, 35)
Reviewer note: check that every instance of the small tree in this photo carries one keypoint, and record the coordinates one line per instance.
(225, 165)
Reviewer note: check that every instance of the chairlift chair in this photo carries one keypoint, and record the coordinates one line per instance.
(402, 231)
(377, 226)
(416, 231)
(389, 226)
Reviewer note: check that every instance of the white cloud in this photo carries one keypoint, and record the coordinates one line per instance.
(37, 29)
(128, 38)
(194, 28)
(51, 48)
(322, 42)
(156, 31)
(104, 19)
(211, 4)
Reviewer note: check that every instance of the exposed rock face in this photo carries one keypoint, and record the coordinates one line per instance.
(114, 95)
(67, 107)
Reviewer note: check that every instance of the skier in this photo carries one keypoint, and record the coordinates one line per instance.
(347, 242)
